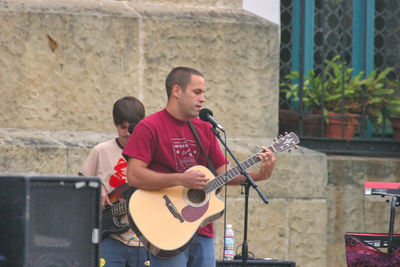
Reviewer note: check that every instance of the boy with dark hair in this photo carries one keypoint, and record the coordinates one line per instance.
(106, 161)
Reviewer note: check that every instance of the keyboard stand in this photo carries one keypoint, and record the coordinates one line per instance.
(395, 202)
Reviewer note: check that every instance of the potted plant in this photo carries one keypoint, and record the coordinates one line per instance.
(346, 97)
(341, 90)
(393, 108)
(374, 96)
(338, 87)
(289, 118)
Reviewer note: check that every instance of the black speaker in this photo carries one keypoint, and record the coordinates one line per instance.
(256, 262)
(49, 221)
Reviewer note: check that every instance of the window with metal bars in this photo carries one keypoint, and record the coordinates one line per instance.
(339, 57)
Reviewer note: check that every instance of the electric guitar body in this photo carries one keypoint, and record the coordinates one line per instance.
(111, 215)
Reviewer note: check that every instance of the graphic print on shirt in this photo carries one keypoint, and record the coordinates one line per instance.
(185, 153)
(119, 177)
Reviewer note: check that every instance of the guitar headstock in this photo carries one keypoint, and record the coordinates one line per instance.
(288, 141)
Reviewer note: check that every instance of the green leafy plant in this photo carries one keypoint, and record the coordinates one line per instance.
(393, 101)
(375, 95)
(336, 83)
(341, 88)
(342, 91)
(311, 91)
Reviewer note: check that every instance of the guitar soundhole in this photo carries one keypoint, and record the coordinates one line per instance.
(196, 196)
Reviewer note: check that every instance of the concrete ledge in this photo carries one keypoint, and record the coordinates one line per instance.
(46, 152)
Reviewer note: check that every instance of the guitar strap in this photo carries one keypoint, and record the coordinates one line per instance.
(209, 164)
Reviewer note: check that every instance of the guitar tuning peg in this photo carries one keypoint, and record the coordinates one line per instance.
(275, 139)
(285, 133)
(280, 136)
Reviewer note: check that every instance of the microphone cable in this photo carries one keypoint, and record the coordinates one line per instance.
(226, 202)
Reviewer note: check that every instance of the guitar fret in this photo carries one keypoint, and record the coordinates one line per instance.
(288, 141)
(235, 171)
(119, 208)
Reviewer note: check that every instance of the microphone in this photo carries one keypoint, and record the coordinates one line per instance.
(207, 115)
(131, 127)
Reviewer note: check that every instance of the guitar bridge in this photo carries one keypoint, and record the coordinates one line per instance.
(172, 209)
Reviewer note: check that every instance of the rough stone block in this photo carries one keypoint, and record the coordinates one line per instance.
(307, 232)
(197, 3)
(30, 152)
(65, 63)
(234, 50)
(301, 173)
(73, 59)
(79, 144)
(267, 227)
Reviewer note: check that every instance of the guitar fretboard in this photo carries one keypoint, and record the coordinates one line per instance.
(224, 178)
(119, 208)
(286, 142)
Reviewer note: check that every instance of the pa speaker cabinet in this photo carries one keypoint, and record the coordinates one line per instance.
(256, 263)
(49, 221)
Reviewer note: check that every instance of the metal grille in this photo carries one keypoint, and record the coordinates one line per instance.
(286, 38)
(61, 221)
(387, 36)
(332, 31)
(332, 36)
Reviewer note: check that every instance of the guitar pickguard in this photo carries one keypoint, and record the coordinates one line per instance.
(192, 214)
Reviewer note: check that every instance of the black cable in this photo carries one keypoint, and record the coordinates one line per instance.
(138, 249)
(365, 225)
(225, 200)
(138, 254)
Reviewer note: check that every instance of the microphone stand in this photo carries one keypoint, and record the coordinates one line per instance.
(249, 182)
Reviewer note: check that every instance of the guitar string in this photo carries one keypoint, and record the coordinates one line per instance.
(107, 212)
(212, 185)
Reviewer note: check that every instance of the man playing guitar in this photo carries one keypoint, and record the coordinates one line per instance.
(163, 147)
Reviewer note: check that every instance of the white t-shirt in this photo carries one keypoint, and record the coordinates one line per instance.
(106, 161)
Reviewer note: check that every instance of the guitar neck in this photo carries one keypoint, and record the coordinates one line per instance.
(285, 142)
(224, 178)
(119, 208)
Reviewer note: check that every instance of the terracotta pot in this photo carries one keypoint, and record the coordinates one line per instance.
(289, 122)
(333, 129)
(396, 127)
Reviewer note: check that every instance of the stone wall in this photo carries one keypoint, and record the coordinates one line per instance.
(64, 63)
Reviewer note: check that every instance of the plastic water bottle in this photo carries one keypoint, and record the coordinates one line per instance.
(229, 251)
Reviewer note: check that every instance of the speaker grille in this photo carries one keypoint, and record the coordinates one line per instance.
(49, 221)
(60, 224)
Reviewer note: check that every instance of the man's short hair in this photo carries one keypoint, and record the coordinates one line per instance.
(180, 76)
(128, 109)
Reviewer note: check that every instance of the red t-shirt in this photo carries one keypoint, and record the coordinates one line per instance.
(168, 145)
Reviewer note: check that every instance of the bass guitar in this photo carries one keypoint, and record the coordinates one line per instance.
(166, 219)
(111, 215)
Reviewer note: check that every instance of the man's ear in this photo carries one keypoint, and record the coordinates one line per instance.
(176, 91)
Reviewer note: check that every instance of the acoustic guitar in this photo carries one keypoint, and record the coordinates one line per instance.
(166, 219)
